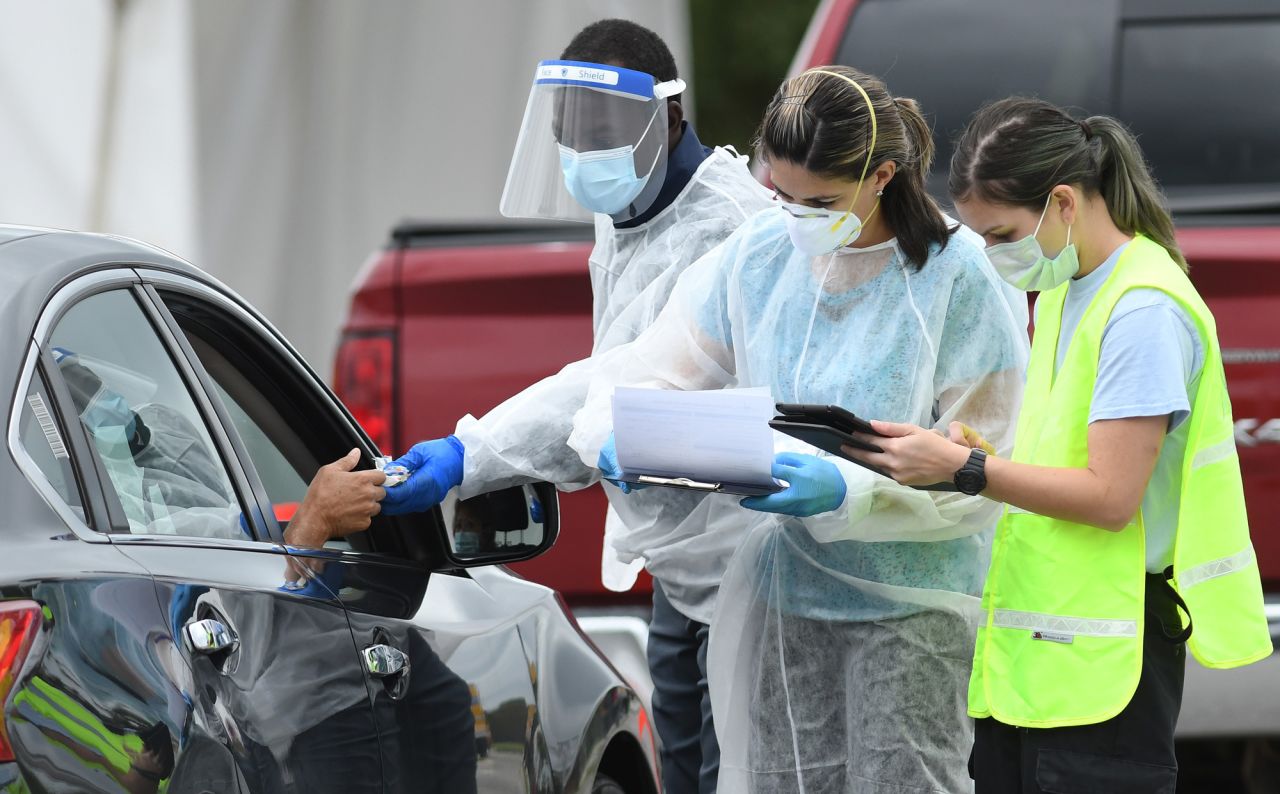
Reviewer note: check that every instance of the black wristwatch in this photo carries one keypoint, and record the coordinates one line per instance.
(972, 477)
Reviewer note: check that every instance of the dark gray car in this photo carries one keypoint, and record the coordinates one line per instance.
(154, 635)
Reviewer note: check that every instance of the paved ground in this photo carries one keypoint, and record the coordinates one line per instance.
(500, 773)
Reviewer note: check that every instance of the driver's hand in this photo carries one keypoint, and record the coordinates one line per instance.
(339, 501)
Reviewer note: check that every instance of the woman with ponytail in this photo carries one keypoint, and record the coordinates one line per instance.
(842, 607)
(1125, 540)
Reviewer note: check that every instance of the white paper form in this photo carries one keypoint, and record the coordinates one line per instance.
(712, 436)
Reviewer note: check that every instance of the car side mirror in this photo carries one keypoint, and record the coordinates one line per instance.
(504, 526)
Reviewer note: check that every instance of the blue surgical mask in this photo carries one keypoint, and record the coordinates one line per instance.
(1023, 264)
(605, 180)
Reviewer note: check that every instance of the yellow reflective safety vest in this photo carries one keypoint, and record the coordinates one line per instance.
(1061, 639)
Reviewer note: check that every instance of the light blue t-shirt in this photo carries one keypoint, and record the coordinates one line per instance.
(1149, 365)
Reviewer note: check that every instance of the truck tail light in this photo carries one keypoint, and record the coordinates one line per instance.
(19, 623)
(363, 379)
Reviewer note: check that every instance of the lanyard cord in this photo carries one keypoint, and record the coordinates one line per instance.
(808, 334)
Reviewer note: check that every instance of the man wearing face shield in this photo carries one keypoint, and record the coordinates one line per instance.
(604, 140)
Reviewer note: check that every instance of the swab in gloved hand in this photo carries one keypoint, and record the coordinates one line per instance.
(434, 468)
(395, 472)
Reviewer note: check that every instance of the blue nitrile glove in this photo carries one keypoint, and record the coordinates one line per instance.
(815, 485)
(435, 467)
(610, 470)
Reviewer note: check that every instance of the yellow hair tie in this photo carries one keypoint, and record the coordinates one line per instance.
(871, 108)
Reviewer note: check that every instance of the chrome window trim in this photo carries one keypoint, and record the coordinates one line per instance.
(72, 293)
(189, 541)
(27, 464)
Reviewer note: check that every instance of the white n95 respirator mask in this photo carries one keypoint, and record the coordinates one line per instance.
(1023, 264)
(816, 231)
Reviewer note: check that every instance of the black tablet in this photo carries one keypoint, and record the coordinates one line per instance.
(822, 436)
(830, 415)
(830, 439)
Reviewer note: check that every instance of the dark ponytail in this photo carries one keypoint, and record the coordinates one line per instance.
(820, 122)
(1133, 198)
(906, 203)
(1017, 150)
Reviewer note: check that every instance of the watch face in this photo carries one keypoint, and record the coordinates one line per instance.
(969, 481)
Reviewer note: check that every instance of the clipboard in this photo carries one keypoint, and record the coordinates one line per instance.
(715, 441)
(687, 484)
(828, 427)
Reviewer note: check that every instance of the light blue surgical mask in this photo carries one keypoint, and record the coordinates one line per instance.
(1023, 264)
(108, 415)
(605, 180)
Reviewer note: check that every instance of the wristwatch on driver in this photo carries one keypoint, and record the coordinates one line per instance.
(972, 477)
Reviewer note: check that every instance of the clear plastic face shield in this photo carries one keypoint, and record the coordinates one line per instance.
(593, 140)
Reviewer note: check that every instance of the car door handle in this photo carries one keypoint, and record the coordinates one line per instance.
(384, 661)
(209, 636)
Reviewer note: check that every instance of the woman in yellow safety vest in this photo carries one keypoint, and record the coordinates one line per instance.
(1124, 497)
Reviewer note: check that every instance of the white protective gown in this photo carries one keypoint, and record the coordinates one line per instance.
(632, 273)
(840, 644)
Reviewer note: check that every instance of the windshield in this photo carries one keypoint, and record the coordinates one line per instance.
(1204, 99)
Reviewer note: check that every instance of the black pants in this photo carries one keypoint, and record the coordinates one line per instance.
(1131, 752)
(681, 703)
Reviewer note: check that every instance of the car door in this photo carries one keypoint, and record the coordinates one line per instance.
(453, 687)
(270, 671)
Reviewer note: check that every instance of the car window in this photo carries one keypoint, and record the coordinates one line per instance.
(43, 440)
(142, 421)
(269, 407)
(277, 451)
(1201, 96)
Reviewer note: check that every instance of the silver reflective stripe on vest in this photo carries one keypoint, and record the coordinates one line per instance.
(1215, 568)
(1083, 627)
(1220, 451)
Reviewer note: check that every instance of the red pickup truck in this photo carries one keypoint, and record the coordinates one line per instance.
(450, 320)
